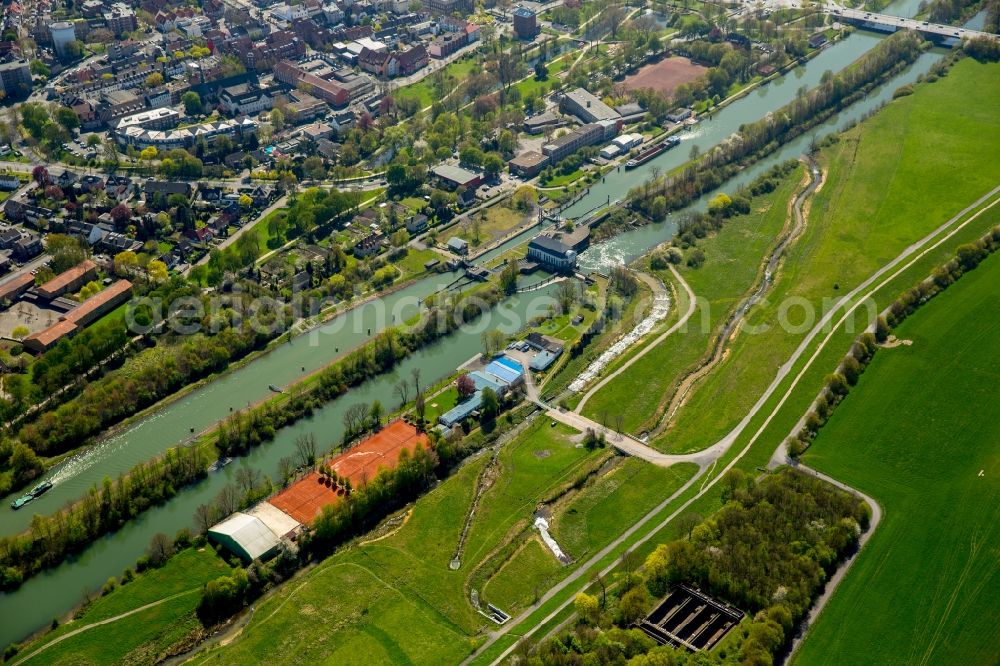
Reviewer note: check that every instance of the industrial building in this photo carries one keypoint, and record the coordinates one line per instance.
(62, 33)
(587, 107)
(554, 255)
(501, 375)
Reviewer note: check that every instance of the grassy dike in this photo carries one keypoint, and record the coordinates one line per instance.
(779, 414)
(885, 163)
(733, 265)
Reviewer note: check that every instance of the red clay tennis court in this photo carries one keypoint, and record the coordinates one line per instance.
(304, 499)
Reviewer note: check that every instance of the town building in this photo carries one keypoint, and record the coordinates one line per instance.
(15, 78)
(569, 143)
(551, 253)
(449, 7)
(245, 99)
(528, 164)
(69, 281)
(454, 177)
(121, 19)
(525, 23)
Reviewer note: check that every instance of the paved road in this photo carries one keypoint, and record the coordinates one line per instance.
(920, 248)
(905, 23)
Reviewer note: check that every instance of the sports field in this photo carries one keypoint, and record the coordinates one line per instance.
(919, 435)
(664, 76)
(395, 599)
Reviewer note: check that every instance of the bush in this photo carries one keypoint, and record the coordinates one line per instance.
(109, 587)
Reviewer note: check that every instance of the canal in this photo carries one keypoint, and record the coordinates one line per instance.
(53, 593)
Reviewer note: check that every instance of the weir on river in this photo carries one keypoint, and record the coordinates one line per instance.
(54, 592)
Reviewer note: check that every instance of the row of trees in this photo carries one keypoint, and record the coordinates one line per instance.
(655, 199)
(838, 384)
(51, 539)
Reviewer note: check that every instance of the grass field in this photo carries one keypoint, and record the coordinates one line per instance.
(916, 435)
(732, 264)
(395, 599)
(605, 508)
(494, 222)
(882, 163)
(145, 636)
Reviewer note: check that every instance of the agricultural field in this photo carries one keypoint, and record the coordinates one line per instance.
(732, 265)
(144, 636)
(883, 163)
(913, 435)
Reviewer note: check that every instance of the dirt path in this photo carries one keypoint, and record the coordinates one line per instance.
(838, 576)
(720, 350)
(109, 620)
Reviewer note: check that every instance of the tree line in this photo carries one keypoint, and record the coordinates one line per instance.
(838, 384)
(51, 539)
(244, 430)
(768, 551)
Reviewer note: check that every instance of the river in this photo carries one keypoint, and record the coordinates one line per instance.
(54, 592)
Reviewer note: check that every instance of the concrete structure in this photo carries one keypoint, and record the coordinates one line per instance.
(887, 23)
(587, 107)
(245, 536)
(15, 78)
(525, 23)
(554, 255)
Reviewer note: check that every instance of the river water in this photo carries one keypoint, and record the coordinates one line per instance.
(54, 592)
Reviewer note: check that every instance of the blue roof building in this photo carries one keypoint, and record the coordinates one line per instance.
(461, 411)
(542, 360)
(484, 381)
(504, 373)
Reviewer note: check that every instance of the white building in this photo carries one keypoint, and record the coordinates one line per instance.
(627, 142)
(63, 33)
(245, 536)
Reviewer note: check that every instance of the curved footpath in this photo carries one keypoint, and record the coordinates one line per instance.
(916, 250)
(680, 322)
(688, 383)
(838, 575)
(109, 620)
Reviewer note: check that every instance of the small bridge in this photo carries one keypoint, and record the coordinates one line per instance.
(888, 23)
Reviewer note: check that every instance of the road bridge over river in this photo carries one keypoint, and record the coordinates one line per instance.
(888, 23)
